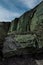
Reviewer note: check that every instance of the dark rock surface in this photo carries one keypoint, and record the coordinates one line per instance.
(19, 60)
(4, 27)
(23, 60)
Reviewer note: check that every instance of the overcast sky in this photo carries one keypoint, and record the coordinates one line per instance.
(10, 9)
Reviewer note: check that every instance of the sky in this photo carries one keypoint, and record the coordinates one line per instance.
(11, 9)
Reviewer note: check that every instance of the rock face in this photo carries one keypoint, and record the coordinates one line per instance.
(13, 25)
(26, 33)
(37, 24)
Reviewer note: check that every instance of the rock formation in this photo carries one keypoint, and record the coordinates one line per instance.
(25, 34)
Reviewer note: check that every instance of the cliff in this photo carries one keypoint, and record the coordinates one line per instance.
(24, 21)
(27, 36)
(25, 33)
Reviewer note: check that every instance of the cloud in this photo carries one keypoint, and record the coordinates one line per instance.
(13, 5)
(30, 3)
(6, 15)
(10, 9)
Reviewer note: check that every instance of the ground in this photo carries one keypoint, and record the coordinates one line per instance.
(24, 60)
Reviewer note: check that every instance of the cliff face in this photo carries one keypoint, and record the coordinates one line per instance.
(24, 21)
(31, 21)
(13, 25)
(37, 24)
